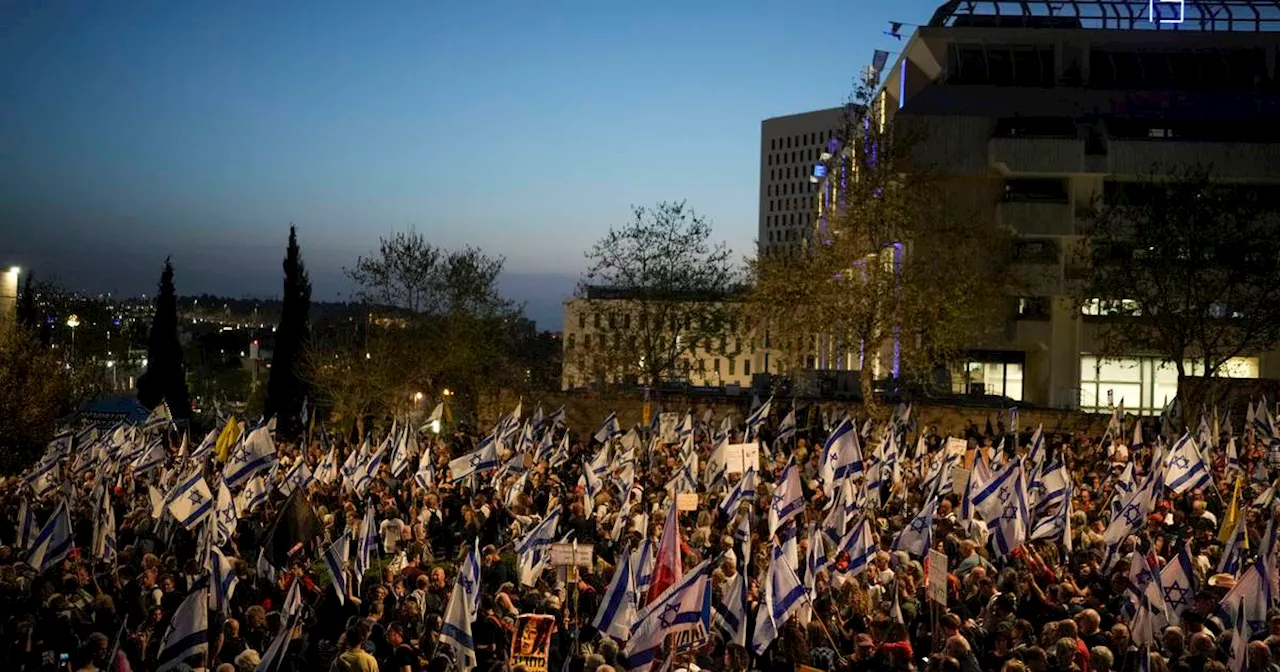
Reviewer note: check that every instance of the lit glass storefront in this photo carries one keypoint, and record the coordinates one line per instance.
(1144, 384)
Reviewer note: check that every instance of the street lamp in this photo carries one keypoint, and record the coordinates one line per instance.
(73, 321)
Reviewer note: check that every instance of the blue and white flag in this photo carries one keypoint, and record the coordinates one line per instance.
(335, 559)
(617, 612)
(534, 548)
(456, 630)
(368, 470)
(1150, 615)
(787, 428)
(298, 476)
(274, 655)
(1178, 581)
(1133, 512)
(839, 455)
(104, 527)
(757, 417)
(744, 491)
(159, 418)
(28, 530)
(1184, 467)
(404, 448)
(788, 498)
(860, 546)
(917, 537)
(53, 543)
(477, 461)
(188, 633)
(190, 501)
(257, 453)
(206, 446)
(255, 493)
(366, 546)
(609, 429)
(327, 470)
(643, 560)
(731, 611)
(425, 476)
(783, 595)
(152, 457)
(1249, 600)
(469, 579)
(1232, 558)
(679, 608)
(222, 581)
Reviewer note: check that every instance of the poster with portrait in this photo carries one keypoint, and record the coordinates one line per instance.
(531, 643)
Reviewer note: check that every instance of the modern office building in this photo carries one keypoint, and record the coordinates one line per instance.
(789, 148)
(1037, 112)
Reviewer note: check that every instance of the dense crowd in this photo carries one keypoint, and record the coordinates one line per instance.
(1120, 554)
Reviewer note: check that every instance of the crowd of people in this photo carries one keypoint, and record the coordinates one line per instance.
(850, 545)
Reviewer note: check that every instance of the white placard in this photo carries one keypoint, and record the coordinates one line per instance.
(960, 480)
(667, 427)
(564, 555)
(937, 580)
(739, 457)
(687, 501)
(955, 446)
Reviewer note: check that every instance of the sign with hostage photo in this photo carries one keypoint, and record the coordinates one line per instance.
(531, 644)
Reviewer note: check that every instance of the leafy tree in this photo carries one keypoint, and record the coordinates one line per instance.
(900, 272)
(165, 378)
(38, 390)
(433, 319)
(660, 287)
(286, 387)
(1186, 267)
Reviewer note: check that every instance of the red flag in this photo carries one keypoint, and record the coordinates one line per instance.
(669, 567)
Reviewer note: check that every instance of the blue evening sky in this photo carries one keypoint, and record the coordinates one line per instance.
(134, 130)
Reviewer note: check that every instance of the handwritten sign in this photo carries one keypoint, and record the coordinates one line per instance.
(742, 456)
(667, 427)
(937, 579)
(687, 501)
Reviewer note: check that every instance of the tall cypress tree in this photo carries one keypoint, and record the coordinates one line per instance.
(28, 314)
(286, 387)
(165, 378)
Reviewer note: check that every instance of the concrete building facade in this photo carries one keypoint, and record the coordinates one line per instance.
(1038, 114)
(789, 148)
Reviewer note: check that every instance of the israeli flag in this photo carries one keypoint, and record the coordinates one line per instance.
(917, 537)
(53, 543)
(643, 560)
(298, 476)
(222, 581)
(104, 528)
(679, 608)
(224, 515)
(783, 595)
(788, 498)
(368, 542)
(743, 491)
(617, 612)
(1184, 468)
(255, 492)
(27, 528)
(479, 460)
(469, 578)
(860, 546)
(206, 446)
(365, 473)
(400, 456)
(731, 611)
(758, 416)
(335, 558)
(152, 458)
(256, 454)
(188, 633)
(456, 630)
(609, 429)
(190, 501)
(534, 548)
(327, 471)
(787, 428)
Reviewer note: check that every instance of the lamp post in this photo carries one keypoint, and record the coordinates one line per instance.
(73, 321)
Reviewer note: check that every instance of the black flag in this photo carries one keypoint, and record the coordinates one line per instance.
(296, 528)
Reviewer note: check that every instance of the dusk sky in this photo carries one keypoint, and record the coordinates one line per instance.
(134, 130)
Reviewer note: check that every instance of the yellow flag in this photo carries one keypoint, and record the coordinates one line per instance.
(230, 434)
(1232, 516)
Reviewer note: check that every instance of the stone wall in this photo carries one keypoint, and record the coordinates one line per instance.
(585, 411)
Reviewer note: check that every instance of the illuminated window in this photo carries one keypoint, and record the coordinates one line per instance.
(1143, 384)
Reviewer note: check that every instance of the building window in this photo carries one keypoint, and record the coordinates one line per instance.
(586, 340)
(1143, 384)
(990, 374)
(596, 318)
(626, 320)
(733, 364)
(746, 367)
(1036, 191)
(573, 340)
(715, 365)
(582, 320)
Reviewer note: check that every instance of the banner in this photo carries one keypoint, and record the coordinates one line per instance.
(531, 643)
(739, 457)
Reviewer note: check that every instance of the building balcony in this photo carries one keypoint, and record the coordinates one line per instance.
(1053, 156)
(1037, 218)
(1229, 160)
